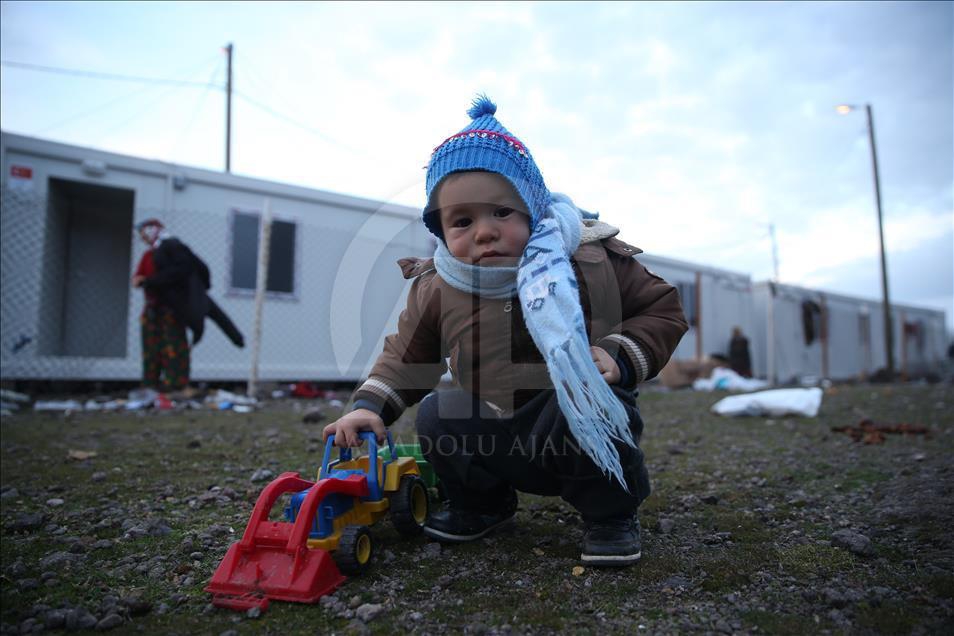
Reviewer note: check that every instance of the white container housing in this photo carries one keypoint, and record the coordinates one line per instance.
(810, 333)
(69, 251)
(333, 289)
(714, 301)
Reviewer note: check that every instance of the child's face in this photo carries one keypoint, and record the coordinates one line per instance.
(484, 220)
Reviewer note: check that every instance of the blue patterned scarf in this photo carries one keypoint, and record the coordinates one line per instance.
(549, 295)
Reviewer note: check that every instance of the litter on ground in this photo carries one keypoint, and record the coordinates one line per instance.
(58, 405)
(13, 396)
(80, 455)
(226, 400)
(725, 379)
(774, 403)
(870, 433)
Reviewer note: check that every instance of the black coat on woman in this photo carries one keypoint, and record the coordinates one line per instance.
(181, 283)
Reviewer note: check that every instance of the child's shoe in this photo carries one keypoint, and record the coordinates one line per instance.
(612, 542)
(458, 525)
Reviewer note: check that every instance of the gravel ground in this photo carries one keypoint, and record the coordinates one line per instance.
(755, 526)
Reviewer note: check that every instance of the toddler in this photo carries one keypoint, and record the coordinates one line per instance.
(549, 325)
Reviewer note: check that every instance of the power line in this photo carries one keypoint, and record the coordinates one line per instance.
(250, 71)
(245, 77)
(197, 110)
(289, 120)
(153, 102)
(170, 82)
(109, 76)
(161, 96)
(100, 109)
(96, 110)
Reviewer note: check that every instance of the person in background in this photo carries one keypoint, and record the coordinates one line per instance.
(739, 359)
(165, 348)
(175, 282)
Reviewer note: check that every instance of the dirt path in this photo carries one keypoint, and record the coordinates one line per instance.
(755, 525)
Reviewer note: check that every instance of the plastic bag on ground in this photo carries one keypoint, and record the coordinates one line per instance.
(13, 396)
(725, 379)
(58, 405)
(775, 403)
(142, 395)
(222, 396)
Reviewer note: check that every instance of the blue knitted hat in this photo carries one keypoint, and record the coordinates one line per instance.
(487, 146)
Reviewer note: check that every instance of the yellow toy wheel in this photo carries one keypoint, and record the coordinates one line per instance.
(362, 550)
(355, 548)
(409, 506)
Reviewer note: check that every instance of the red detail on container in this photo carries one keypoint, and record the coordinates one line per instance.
(272, 561)
(307, 390)
(21, 172)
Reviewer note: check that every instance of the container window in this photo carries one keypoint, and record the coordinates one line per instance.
(246, 230)
(687, 296)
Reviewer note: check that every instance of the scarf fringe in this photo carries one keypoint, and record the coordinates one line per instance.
(596, 417)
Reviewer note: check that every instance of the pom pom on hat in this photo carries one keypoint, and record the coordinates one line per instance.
(481, 106)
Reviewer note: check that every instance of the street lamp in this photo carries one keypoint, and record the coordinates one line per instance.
(844, 109)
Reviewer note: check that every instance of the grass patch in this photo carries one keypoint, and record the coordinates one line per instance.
(780, 623)
(856, 477)
(157, 467)
(890, 618)
(654, 507)
(746, 529)
(814, 559)
(734, 566)
(941, 585)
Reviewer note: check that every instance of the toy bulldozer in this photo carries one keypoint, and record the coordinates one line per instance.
(326, 534)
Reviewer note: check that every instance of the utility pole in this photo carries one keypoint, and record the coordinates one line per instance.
(770, 309)
(844, 109)
(228, 111)
(888, 330)
(771, 229)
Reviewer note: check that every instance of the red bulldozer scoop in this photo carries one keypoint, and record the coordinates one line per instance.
(273, 560)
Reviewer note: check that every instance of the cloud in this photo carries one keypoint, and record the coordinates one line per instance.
(691, 126)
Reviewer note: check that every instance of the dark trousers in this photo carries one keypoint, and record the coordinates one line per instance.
(481, 458)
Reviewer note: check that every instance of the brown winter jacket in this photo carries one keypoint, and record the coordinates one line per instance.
(628, 311)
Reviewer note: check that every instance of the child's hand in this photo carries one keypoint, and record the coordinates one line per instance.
(346, 429)
(606, 365)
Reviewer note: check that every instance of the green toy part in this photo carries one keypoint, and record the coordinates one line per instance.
(414, 450)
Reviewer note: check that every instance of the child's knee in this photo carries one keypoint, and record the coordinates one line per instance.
(428, 420)
(441, 411)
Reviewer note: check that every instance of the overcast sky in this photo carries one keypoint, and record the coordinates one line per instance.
(691, 126)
